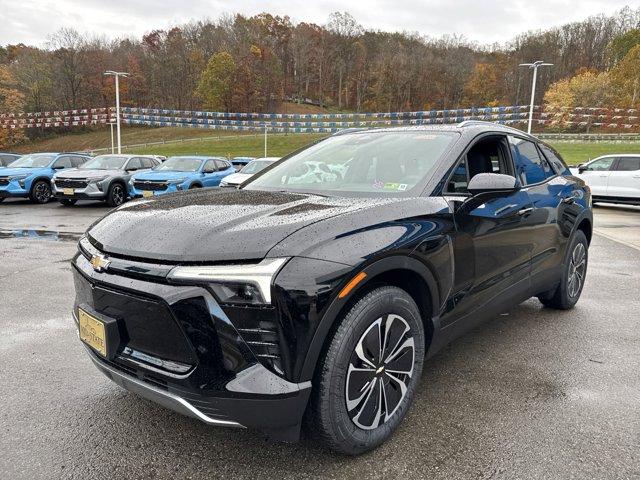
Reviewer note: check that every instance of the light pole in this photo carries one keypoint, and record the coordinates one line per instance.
(534, 65)
(117, 76)
(111, 128)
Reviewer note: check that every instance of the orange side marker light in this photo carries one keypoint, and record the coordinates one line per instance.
(351, 285)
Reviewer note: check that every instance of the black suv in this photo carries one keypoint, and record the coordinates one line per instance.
(318, 292)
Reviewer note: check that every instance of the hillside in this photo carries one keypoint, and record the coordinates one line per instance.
(185, 141)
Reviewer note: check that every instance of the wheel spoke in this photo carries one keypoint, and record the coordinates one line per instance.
(380, 368)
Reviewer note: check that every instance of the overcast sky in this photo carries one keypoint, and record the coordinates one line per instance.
(484, 21)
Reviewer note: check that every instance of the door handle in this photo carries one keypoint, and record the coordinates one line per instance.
(570, 199)
(525, 211)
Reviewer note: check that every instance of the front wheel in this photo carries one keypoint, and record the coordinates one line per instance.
(574, 272)
(40, 192)
(367, 378)
(116, 195)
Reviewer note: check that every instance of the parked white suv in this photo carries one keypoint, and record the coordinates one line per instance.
(612, 178)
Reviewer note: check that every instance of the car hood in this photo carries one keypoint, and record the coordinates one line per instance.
(162, 175)
(10, 172)
(222, 225)
(237, 178)
(89, 173)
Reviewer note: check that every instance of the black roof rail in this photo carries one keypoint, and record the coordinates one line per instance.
(471, 123)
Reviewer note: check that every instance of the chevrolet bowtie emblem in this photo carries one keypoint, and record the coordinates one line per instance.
(99, 263)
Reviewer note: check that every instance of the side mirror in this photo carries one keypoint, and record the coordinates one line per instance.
(58, 167)
(492, 183)
(132, 169)
(583, 167)
(209, 170)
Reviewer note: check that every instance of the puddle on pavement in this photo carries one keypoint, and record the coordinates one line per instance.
(36, 234)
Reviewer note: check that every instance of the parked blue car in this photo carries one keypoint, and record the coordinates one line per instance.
(30, 175)
(180, 173)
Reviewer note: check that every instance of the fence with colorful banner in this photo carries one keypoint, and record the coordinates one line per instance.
(613, 118)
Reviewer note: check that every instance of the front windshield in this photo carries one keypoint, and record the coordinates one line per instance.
(256, 166)
(36, 160)
(180, 164)
(377, 162)
(105, 162)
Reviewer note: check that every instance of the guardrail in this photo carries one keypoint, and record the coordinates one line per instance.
(590, 137)
(94, 151)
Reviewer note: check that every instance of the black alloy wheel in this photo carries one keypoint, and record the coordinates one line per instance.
(40, 192)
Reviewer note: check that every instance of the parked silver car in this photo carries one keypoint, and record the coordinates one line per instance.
(104, 177)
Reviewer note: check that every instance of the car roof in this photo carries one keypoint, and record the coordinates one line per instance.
(468, 127)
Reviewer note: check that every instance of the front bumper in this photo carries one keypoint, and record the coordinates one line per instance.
(179, 349)
(90, 192)
(171, 188)
(13, 189)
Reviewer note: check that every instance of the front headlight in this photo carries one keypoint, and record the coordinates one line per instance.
(98, 180)
(234, 283)
(18, 177)
(177, 181)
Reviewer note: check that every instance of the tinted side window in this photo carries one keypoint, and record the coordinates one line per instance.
(147, 162)
(134, 163)
(64, 162)
(77, 161)
(628, 164)
(210, 166)
(530, 166)
(554, 158)
(222, 165)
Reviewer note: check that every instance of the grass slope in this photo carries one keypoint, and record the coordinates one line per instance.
(231, 144)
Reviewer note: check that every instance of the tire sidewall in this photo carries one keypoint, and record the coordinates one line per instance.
(33, 197)
(110, 199)
(376, 304)
(577, 237)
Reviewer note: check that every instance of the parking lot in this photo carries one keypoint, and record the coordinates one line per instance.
(535, 393)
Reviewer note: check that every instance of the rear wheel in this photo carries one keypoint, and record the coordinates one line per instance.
(367, 378)
(68, 202)
(40, 192)
(116, 195)
(574, 272)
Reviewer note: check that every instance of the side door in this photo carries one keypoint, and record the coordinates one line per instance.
(624, 179)
(549, 194)
(596, 174)
(209, 173)
(493, 240)
(223, 169)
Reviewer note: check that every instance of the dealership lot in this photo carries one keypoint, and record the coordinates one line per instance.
(536, 393)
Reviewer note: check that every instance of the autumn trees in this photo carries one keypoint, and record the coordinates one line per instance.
(240, 63)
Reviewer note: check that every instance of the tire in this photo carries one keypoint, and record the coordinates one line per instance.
(574, 272)
(343, 419)
(1, 199)
(68, 202)
(194, 186)
(40, 192)
(116, 194)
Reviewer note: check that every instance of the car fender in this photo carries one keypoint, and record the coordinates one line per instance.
(377, 267)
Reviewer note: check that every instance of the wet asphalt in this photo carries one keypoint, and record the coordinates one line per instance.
(532, 394)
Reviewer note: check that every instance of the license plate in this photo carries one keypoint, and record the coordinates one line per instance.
(92, 332)
(147, 193)
(68, 191)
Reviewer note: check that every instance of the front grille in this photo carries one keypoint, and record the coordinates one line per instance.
(147, 325)
(4, 181)
(70, 183)
(148, 185)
